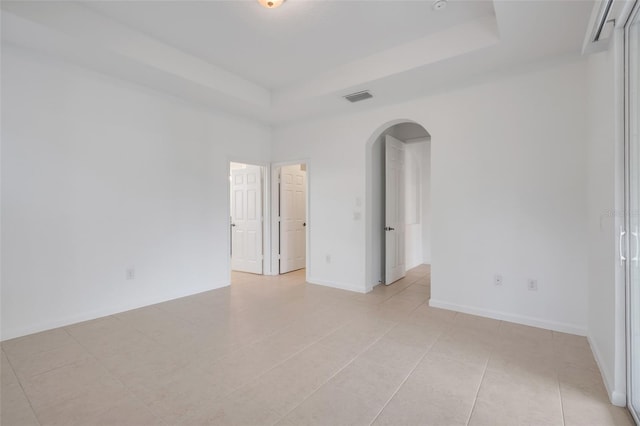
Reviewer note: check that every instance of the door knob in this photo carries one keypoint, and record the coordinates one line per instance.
(304, 224)
(233, 224)
(388, 228)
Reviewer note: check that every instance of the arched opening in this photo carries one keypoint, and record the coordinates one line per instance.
(414, 179)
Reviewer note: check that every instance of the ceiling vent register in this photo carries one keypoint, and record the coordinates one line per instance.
(359, 96)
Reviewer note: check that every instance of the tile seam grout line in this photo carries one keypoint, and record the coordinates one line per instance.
(129, 390)
(341, 369)
(484, 372)
(116, 378)
(256, 378)
(22, 388)
(424, 355)
(557, 371)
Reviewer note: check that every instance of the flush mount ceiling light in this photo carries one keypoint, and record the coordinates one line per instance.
(271, 4)
(439, 5)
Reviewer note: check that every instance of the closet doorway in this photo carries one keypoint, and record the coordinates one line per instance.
(246, 217)
(291, 217)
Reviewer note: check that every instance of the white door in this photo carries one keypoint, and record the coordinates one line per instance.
(293, 200)
(632, 34)
(246, 220)
(394, 210)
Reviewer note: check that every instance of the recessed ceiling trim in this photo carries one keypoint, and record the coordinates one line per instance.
(455, 41)
(63, 28)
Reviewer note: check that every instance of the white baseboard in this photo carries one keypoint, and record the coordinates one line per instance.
(413, 264)
(518, 319)
(334, 284)
(617, 398)
(88, 316)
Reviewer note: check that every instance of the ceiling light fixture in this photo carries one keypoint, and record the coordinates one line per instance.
(271, 4)
(439, 5)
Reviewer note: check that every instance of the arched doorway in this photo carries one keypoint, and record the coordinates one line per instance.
(416, 208)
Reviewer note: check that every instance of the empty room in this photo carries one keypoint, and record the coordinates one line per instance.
(320, 212)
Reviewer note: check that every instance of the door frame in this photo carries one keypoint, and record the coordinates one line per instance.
(275, 202)
(369, 191)
(626, 118)
(266, 212)
(397, 241)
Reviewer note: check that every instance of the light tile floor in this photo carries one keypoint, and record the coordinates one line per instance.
(274, 350)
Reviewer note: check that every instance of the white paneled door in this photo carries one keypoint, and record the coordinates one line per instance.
(293, 202)
(246, 219)
(395, 267)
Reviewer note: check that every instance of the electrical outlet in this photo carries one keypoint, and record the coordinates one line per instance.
(130, 273)
(328, 258)
(532, 285)
(497, 279)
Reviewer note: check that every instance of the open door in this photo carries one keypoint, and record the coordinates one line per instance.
(246, 219)
(293, 201)
(395, 267)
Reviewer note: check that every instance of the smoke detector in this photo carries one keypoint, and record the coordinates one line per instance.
(439, 5)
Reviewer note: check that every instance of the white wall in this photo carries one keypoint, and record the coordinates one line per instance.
(414, 165)
(415, 157)
(508, 194)
(605, 215)
(99, 175)
(426, 204)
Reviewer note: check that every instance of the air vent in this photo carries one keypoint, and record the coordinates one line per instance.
(359, 96)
